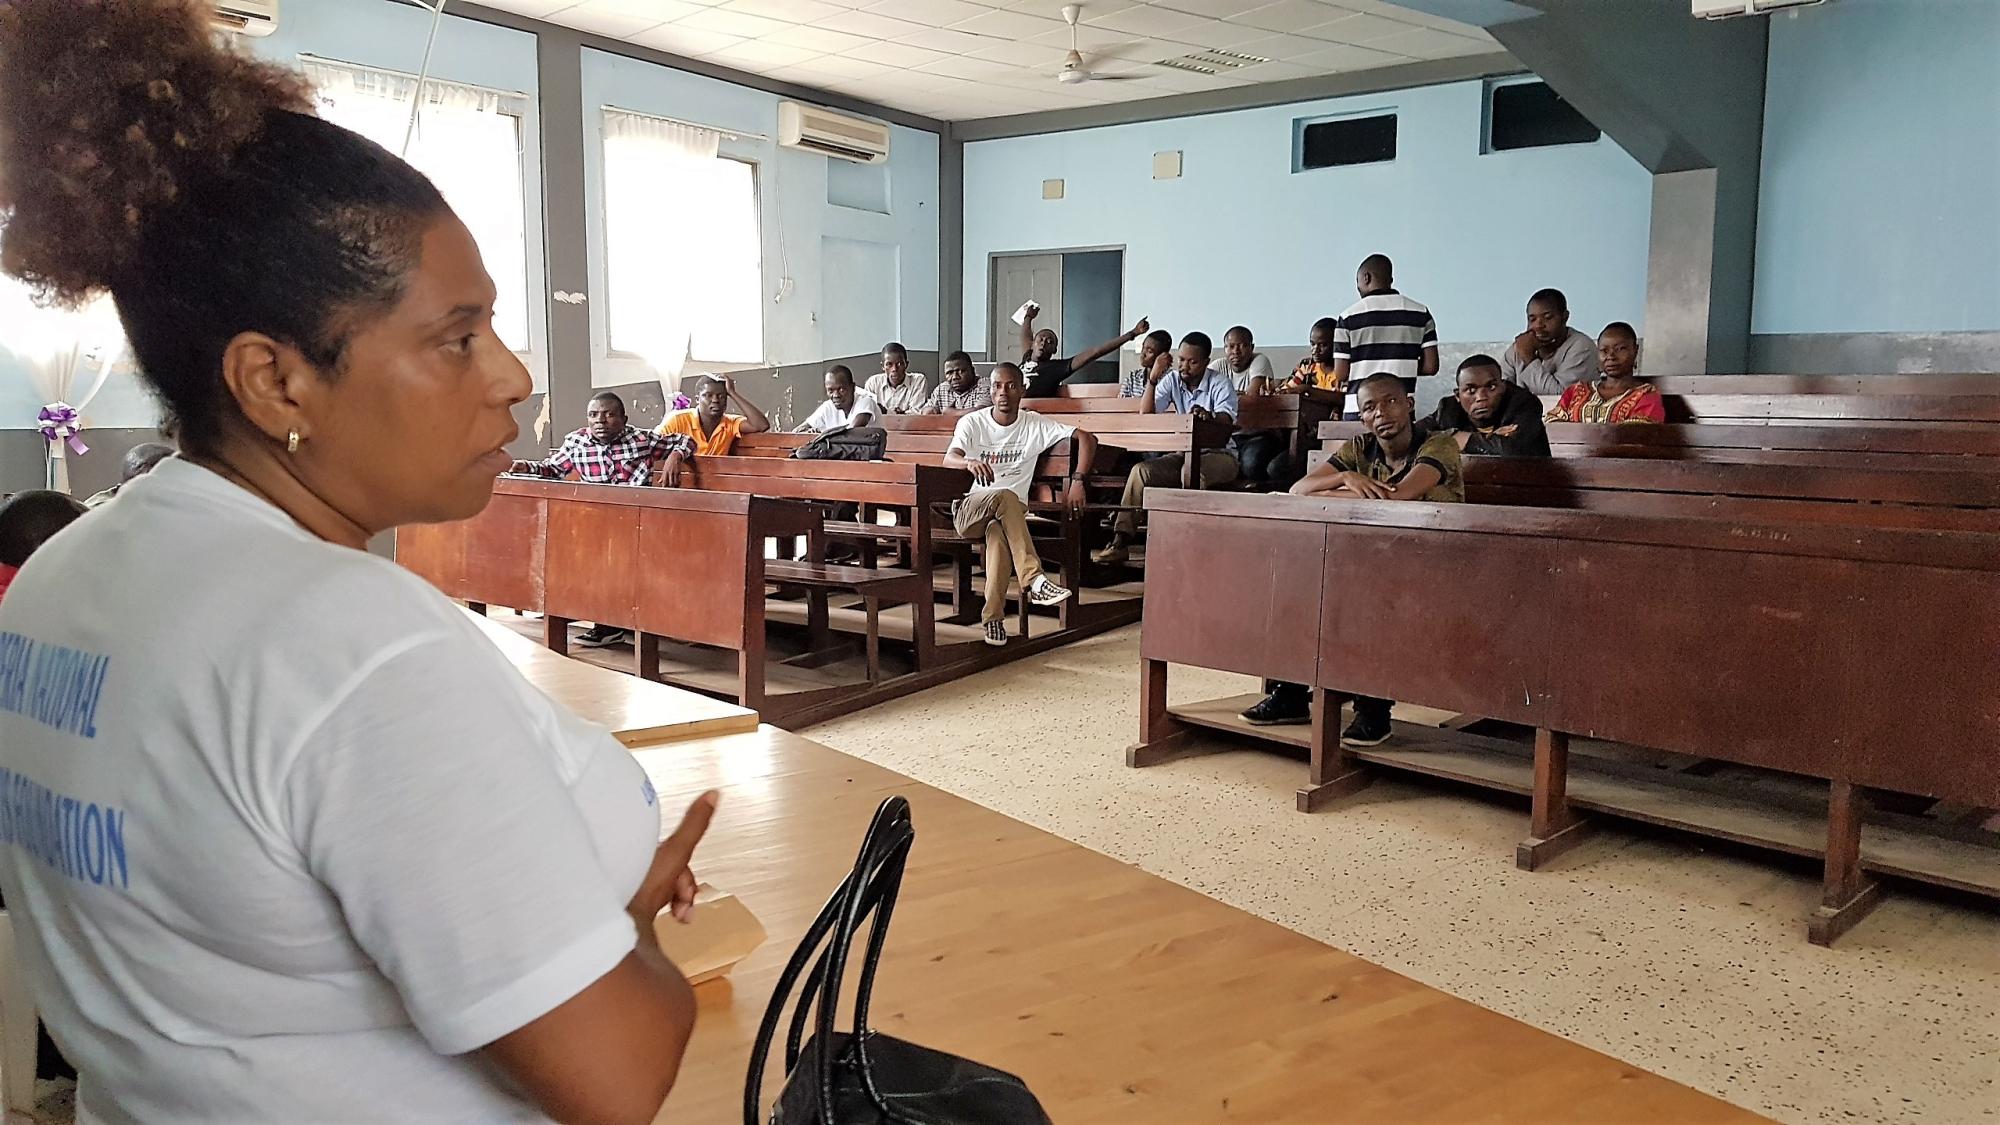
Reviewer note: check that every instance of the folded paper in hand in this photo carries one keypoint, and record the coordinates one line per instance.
(719, 933)
(1021, 314)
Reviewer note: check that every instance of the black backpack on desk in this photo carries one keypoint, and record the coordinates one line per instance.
(865, 444)
(862, 1077)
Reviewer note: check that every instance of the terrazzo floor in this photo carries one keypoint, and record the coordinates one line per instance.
(1687, 962)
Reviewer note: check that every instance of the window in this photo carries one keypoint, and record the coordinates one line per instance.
(1532, 115)
(684, 265)
(1339, 141)
(468, 141)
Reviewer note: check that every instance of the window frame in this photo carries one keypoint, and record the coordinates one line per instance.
(1486, 96)
(1301, 124)
(695, 362)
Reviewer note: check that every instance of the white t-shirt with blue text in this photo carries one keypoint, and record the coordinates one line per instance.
(283, 836)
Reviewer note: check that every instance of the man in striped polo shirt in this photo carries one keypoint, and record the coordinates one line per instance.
(1383, 331)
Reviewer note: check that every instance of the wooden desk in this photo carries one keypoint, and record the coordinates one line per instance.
(639, 712)
(1118, 996)
(1863, 656)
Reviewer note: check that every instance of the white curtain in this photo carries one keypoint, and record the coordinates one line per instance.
(652, 301)
(67, 355)
(468, 142)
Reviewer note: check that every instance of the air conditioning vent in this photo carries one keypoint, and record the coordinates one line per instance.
(256, 18)
(812, 129)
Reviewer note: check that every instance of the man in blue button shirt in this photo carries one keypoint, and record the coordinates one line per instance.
(1191, 388)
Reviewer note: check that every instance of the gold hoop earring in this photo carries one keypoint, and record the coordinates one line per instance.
(292, 442)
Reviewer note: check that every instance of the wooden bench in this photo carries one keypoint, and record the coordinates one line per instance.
(1982, 383)
(874, 585)
(673, 563)
(1782, 647)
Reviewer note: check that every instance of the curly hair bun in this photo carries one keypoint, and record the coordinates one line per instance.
(109, 109)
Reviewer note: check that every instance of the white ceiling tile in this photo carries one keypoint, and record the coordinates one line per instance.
(790, 11)
(1148, 50)
(1357, 28)
(1087, 39)
(1288, 15)
(1280, 47)
(1007, 25)
(658, 11)
(842, 66)
(758, 55)
(1279, 72)
(950, 42)
(930, 13)
(537, 9)
(1022, 54)
(1147, 20)
(731, 23)
(1342, 57)
(895, 54)
(1052, 9)
(817, 39)
(870, 25)
(606, 23)
(1425, 43)
(687, 41)
(1182, 82)
(972, 70)
(1213, 9)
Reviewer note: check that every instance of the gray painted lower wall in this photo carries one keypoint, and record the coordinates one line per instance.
(787, 393)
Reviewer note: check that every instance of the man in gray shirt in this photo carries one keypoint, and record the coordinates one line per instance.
(1550, 355)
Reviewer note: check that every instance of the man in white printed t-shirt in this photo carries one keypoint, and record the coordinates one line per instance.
(1000, 446)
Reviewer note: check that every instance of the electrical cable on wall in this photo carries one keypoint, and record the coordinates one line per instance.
(423, 72)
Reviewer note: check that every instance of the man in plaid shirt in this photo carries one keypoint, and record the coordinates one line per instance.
(608, 451)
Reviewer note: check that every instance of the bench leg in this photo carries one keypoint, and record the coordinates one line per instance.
(478, 608)
(1333, 773)
(750, 674)
(964, 602)
(1162, 738)
(1849, 894)
(1553, 827)
(816, 611)
(647, 654)
(874, 638)
(555, 634)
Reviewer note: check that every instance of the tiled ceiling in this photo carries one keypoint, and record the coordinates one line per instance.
(964, 59)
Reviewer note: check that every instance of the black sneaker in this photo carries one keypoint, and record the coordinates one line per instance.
(1276, 710)
(601, 636)
(1366, 730)
(996, 634)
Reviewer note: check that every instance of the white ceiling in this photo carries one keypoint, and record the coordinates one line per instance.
(964, 59)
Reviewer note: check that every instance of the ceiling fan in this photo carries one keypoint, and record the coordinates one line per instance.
(1073, 70)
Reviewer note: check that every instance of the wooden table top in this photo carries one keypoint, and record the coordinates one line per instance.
(1118, 996)
(639, 712)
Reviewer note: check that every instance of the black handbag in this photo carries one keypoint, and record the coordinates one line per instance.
(862, 1077)
(865, 444)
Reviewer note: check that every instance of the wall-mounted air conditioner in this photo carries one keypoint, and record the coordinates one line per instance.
(1725, 9)
(823, 131)
(245, 17)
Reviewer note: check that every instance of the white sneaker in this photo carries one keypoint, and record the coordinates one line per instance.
(1044, 592)
(601, 637)
(996, 634)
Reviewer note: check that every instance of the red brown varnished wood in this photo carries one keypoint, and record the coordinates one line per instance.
(1942, 383)
(1255, 619)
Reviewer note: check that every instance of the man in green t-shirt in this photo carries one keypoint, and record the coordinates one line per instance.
(1395, 460)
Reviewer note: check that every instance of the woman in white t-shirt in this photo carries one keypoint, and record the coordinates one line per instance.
(283, 836)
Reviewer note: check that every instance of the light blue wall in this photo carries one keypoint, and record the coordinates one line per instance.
(372, 33)
(798, 222)
(1880, 204)
(1241, 239)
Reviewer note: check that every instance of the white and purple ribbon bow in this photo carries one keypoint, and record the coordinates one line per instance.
(60, 423)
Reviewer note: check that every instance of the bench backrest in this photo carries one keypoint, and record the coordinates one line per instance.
(1984, 383)
(1942, 445)
(1832, 409)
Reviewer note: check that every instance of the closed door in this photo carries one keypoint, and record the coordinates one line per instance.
(1018, 278)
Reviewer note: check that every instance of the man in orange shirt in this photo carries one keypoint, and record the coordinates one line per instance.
(713, 429)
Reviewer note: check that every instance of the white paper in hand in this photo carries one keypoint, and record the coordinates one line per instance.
(1021, 314)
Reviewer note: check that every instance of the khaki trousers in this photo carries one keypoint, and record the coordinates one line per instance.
(1217, 467)
(1010, 547)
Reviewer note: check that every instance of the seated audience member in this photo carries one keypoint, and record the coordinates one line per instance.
(961, 389)
(1395, 460)
(897, 389)
(846, 407)
(1260, 454)
(1384, 331)
(710, 425)
(609, 451)
(139, 460)
(1195, 388)
(28, 520)
(1619, 395)
(1317, 369)
(1550, 356)
(1490, 416)
(1156, 345)
(999, 446)
(1046, 371)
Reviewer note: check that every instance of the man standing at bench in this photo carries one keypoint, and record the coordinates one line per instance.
(710, 425)
(960, 390)
(999, 446)
(1384, 331)
(1394, 460)
(846, 407)
(1489, 415)
(897, 389)
(1044, 369)
(608, 451)
(1197, 389)
(1550, 356)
